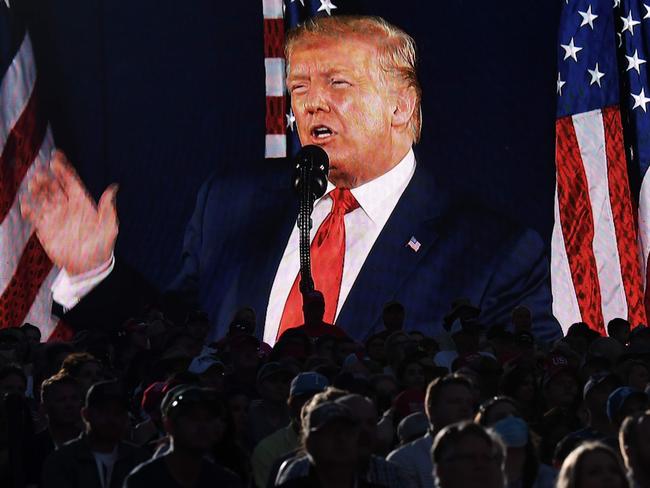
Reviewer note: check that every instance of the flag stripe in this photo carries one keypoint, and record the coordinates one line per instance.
(14, 231)
(19, 152)
(15, 90)
(577, 223)
(624, 222)
(275, 87)
(274, 38)
(41, 310)
(32, 270)
(590, 135)
(275, 118)
(565, 302)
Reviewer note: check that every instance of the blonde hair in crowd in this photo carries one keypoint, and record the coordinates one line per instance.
(397, 55)
(571, 467)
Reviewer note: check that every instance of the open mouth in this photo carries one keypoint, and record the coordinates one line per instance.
(321, 132)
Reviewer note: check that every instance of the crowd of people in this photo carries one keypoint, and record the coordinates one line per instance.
(151, 404)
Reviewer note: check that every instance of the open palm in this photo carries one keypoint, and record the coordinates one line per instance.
(76, 234)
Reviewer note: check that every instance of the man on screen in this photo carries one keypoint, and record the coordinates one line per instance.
(383, 231)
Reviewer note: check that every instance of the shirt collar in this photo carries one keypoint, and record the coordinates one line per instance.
(378, 197)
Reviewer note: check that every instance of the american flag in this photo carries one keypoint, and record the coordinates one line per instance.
(26, 273)
(601, 237)
(280, 122)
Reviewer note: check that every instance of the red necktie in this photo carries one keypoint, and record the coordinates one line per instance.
(327, 256)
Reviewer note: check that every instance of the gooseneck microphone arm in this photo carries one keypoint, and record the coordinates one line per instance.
(310, 182)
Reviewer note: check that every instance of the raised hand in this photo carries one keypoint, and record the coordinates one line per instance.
(76, 234)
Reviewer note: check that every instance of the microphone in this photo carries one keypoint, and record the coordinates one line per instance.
(311, 168)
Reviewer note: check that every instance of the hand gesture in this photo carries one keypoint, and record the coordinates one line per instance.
(76, 234)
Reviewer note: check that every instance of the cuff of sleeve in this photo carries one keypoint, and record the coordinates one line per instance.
(68, 290)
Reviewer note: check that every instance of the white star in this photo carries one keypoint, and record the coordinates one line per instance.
(588, 18)
(617, 3)
(620, 39)
(629, 23)
(595, 75)
(326, 5)
(647, 11)
(560, 84)
(571, 51)
(7, 2)
(302, 2)
(634, 62)
(640, 100)
(291, 120)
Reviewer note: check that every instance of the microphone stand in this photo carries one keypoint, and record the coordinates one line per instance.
(305, 223)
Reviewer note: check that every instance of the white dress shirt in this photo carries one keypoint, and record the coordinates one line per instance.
(377, 200)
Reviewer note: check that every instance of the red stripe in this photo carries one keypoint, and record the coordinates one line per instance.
(621, 202)
(577, 222)
(275, 115)
(274, 38)
(32, 269)
(23, 144)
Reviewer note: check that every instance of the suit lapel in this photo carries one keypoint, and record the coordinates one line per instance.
(391, 259)
(275, 209)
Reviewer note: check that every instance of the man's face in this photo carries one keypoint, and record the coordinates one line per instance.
(342, 104)
(335, 443)
(63, 405)
(456, 403)
(108, 422)
(89, 374)
(367, 416)
(471, 463)
(198, 429)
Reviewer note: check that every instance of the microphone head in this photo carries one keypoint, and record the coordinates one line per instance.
(317, 163)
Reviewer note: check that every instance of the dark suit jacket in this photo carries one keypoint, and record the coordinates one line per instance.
(73, 465)
(241, 224)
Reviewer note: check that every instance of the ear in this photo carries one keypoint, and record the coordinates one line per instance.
(168, 425)
(84, 413)
(404, 106)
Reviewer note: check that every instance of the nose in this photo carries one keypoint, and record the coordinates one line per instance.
(315, 100)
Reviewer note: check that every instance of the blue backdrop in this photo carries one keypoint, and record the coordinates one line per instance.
(155, 94)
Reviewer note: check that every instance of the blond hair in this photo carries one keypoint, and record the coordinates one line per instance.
(569, 476)
(396, 56)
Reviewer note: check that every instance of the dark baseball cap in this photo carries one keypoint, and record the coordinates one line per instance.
(104, 392)
(307, 383)
(273, 368)
(181, 398)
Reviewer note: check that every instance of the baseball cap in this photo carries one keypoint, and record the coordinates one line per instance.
(556, 364)
(180, 398)
(204, 361)
(104, 392)
(618, 398)
(328, 412)
(272, 368)
(307, 383)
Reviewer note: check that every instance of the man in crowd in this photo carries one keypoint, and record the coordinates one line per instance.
(448, 399)
(386, 230)
(270, 449)
(466, 455)
(634, 442)
(194, 421)
(270, 412)
(61, 402)
(99, 458)
(373, 468)
(330, 436)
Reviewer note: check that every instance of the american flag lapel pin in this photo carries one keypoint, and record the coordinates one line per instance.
(414, 244)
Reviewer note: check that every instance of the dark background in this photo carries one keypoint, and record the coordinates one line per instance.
(155, 94)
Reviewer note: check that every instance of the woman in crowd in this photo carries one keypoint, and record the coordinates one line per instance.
(592, 465)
